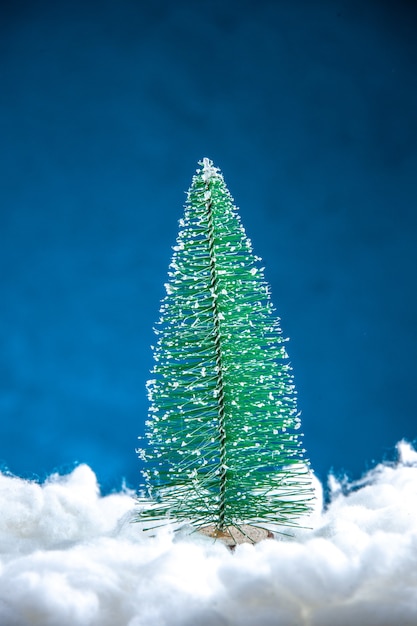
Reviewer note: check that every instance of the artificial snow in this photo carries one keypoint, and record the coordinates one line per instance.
(209, 170)
(71, 557)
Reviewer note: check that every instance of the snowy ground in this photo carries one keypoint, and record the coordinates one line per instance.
(72, 557)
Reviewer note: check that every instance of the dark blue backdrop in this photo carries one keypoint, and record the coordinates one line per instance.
(310, 110)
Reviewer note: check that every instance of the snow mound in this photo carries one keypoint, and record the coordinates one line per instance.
(72, 557)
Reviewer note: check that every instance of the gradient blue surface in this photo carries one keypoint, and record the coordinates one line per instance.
(309, 109)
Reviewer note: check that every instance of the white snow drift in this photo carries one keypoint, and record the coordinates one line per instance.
(70, 557)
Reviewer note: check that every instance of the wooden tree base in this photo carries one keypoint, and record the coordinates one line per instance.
(233, 535)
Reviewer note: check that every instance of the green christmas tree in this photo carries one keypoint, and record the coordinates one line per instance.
(222, 445)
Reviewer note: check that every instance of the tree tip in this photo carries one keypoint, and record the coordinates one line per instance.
(209, 170)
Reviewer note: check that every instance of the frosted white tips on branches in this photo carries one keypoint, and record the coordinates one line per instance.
(209, 170)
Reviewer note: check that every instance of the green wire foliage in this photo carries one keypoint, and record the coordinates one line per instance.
(222, 446)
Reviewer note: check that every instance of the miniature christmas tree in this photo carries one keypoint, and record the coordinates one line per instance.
(222, 446)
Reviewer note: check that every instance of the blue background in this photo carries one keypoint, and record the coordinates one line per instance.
(310, 110)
